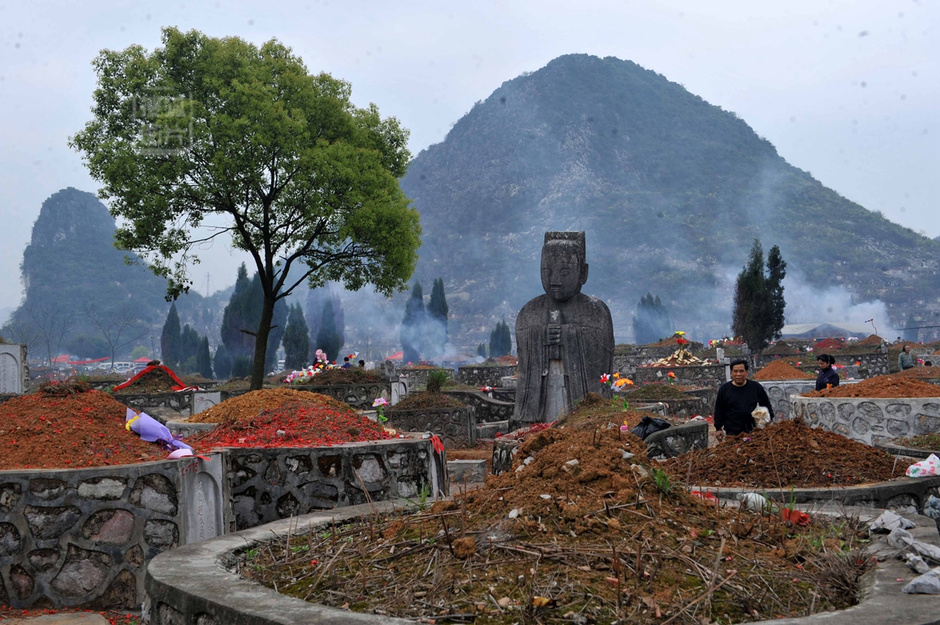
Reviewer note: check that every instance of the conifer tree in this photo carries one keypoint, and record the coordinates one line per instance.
(189, 348)
(436, 328)
(328, 337)
(758, 314)
(222, 363)
(500, 340)
(412, 325)
(651, 321)
(203, 360)
(296, 341)
(171, 339)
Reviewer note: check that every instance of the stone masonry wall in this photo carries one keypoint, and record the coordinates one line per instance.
(272, 484)
(483, 376)
(870, 420)
(697, 375)
(83, 537)
(455, 426)
(486, 408)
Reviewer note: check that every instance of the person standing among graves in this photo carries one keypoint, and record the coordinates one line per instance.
(905, 360)
(827, 378)
(736, 401)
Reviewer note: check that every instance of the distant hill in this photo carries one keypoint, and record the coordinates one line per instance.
(670, 190)
(71, 266)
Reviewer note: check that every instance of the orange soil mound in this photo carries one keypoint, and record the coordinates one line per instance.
(784, 454)
(781, 370)
(250, 405)
(881, 386)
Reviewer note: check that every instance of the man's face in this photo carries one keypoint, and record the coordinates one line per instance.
(738, 375)
(561, 272)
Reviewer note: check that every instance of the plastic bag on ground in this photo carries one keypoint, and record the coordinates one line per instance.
(926, 584)
(649, 425)
(925, 468)
(889, 521)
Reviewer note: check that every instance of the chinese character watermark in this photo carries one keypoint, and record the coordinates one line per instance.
(167, 126)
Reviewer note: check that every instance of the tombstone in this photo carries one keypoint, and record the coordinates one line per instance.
(564, 339)
(14, 371)
(203, 400)
(203, 512)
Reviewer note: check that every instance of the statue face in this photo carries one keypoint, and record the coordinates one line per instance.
(561, 271)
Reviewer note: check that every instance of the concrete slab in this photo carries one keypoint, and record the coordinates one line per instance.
(65, 618)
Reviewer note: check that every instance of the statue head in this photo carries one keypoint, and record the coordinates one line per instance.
(564, 269)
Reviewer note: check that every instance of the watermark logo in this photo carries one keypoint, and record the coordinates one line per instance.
(167, 127)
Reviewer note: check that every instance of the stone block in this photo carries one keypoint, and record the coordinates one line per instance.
(14, 370)
(466, 471)
(677, 440)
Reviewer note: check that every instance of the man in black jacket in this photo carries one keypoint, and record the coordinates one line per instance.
(736, 401)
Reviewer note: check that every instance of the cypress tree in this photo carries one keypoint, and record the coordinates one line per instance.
(651, 321)
(222, 363)
(296, 341)
(412, 325)
(189, 346)
(234, 319)
(327, 337)
(170, 339)
(203, 360)
(436, 331)
(758, 313)
(500, 340)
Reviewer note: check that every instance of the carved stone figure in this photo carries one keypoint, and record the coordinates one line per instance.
(564, 339)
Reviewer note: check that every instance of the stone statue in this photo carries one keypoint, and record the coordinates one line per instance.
(564, 339)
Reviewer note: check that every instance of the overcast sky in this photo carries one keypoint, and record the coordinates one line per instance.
(847, 90)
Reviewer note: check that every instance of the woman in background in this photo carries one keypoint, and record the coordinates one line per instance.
(827, 378)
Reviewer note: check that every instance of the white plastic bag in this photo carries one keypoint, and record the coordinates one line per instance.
(925, 468)
(761, 416)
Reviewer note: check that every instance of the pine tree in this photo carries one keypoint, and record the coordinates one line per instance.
(234, 319)
(436, 330)
(412, 325)
(327, 337)
(189, 348)
(314, 315)
(203, 360)
(222, 363)
(651, 321)
(500, 340)
(758, 314)
(170, 339)
(481, 350)
(296, 341)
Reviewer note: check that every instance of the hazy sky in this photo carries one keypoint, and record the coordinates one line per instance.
(847, 90)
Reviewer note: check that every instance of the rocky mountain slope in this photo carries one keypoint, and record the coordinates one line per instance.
(670, 190)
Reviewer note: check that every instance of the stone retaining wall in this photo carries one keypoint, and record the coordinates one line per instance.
(272, 484)
(82, 537)
(478, 375)
(869, 420)
(694, 375)
(455, 426)
(486, 408)
(417, 379)
(779, 392)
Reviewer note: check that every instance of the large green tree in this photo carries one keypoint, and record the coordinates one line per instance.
(758, 314)
(222, 133)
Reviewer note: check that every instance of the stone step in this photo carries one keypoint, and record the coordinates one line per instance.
(489, 430)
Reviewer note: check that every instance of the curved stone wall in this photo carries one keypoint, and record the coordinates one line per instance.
(83, 536)
(486, 408)
(869, 420)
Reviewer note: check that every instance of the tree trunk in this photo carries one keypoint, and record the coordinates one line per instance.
(261, 342)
